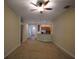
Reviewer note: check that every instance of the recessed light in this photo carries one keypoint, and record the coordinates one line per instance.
(67, 6)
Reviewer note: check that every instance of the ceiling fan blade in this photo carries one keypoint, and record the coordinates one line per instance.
(45, 3)
(33, 4)
(48, 8)
(33, 9)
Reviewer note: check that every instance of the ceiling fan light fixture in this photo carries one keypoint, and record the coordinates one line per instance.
(41, 5)
(40, 9)
(45, 0)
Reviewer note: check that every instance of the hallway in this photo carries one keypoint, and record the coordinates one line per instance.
(55, 23)
(33, 49)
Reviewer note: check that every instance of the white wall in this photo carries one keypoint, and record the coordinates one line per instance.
(25, 32)
(11, 31)
(64, 31)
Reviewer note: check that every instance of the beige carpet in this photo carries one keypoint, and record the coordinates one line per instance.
(33, 49)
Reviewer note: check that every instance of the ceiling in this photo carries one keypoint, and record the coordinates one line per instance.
(23, 9)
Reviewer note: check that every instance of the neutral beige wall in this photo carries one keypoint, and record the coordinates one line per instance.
(11, 29)
(64, 31)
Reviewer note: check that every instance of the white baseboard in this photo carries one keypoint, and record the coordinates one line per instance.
(64, 50)
(11, 51)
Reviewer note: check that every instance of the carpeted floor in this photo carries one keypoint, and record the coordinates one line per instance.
(33, 49)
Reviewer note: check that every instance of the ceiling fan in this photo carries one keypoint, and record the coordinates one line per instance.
(40, 4)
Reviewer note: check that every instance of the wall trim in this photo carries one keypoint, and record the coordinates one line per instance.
(64, 50)
(11, 51)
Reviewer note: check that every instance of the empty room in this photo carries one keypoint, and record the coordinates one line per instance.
(39, 29)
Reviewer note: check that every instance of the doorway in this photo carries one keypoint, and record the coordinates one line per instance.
(32, 31)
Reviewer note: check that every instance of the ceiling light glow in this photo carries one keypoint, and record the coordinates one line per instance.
(45, 0)
(34, 28)
(40, 9)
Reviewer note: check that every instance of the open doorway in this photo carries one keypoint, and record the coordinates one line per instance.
(32, 31)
